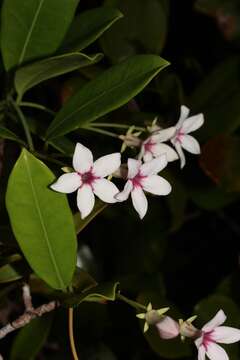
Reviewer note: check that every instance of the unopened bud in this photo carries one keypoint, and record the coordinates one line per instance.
(187, 329)
(168, 328)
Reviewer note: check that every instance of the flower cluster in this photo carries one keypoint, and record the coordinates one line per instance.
(206, 339)
(89, 177)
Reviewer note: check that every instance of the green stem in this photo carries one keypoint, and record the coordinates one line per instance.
(119, 126)
(100, 131)
(36, 106)
(132, 303)
(49, 159)
(24, 124)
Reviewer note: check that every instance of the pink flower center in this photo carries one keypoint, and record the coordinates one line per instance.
(179, 135)
(149, 145)
(88, 178)
(207, 339)
(137, 180)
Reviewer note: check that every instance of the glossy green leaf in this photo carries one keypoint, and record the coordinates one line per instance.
(41, 221)
(80, 224)
(31, 339)
(100, 293)
(107, 92)
(143, 29)
(33, 28)
(8, 134)
(34, 74)
(88, 26)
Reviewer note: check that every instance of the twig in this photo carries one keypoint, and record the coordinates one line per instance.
(27, 298)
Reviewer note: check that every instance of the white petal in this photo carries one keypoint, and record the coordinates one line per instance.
(164, 135)
(156, 185)
(153, 167)
(85, 200)
(226, 335)
(67, 183)
(198, 342)
(105, 190)
(123, 195)
(82, 159)
(160, 149)
(182, 158)
(133, 167)
(139, 201)
(193, 123)
(183, 116)
(201, 353)
(216, 352)
(190, 144)
(147, 156)
(106, 165)
(218, 320)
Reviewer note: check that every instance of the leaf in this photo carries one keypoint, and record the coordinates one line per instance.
(100, 293)
(8, 134)
(88, 26)
(8, 274)
(33, 28)
(81, 224)
(41, 221)
(31, 339)
(107, 92)
(34, 74)
(143, 29)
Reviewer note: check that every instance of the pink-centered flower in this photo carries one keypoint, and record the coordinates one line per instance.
(182, 139)
(213, 333)
(143, 177)
(153, 146)
(88, 179)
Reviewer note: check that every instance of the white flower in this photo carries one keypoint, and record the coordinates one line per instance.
(181, 139)
(153, 146)
(88, 179)
(211, 334)
(143, 177)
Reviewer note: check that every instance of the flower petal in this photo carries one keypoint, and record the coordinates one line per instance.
(154, 166)
(147, 156)
(139, 200)
(105, 190)
(106, 165)
(216, 352)
(156, 185)
(226, 335)
(82, 159)
(218, 320)
(190, 144)
(193, 123)
(133, 167)
(123, 195)
(67, 183)
(201, 353)
(85, 200)
(183, 116)
(181, 155)
(168, 328)
(164, 135)
(160, 149)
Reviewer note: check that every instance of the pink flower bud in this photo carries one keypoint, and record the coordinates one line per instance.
(168, 328)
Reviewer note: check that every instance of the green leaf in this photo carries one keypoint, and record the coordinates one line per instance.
(143, 29)
(8, 134)
(100, 293)
(107, 92)
(80, 224)
(8, 274)
(33, 74)
(41, 221)
(89, 26)
(33, 28)
(31, 339)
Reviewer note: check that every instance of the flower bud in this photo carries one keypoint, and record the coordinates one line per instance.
(168, 328)
(188, 330)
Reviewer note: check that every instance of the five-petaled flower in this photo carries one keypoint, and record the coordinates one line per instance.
(88, 179)
(211, 334)
(181, 139)
(143, 177)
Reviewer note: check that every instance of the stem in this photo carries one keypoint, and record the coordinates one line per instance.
(132, 303)
(24, 124)
(119, 126)
(100, 131)
(47, 158)
(71, 336)
(36, 106)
